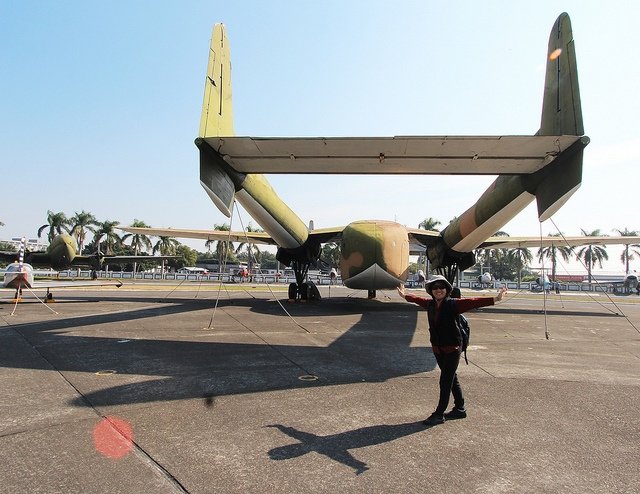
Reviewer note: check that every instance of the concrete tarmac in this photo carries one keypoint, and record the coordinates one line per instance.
(151, 389)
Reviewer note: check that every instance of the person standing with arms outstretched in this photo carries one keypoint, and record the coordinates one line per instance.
(446, 340)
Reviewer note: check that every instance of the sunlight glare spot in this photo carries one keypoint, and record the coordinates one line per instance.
(555, 53)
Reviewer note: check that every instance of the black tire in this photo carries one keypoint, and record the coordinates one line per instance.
(304, 291)
(293, 291)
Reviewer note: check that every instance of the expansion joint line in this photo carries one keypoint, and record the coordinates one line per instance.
(482, 369)
(138, 448)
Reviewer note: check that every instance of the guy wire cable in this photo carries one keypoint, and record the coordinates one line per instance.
(41, 301)
(267, 283)
(544, 292)
(598, 283)
(224, 265)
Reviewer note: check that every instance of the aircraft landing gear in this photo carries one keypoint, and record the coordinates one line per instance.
(371, 294)
(302, 290)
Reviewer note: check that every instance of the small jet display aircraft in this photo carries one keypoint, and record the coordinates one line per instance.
(546, 167)
(62, 254)
(19, 275)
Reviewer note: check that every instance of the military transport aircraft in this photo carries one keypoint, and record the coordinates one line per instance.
(546, 167)
(62, 254)
(19, 275)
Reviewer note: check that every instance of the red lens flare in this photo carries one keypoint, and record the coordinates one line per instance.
(113, 437)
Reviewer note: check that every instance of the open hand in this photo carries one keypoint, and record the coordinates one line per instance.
(401, 290)
(501, 293)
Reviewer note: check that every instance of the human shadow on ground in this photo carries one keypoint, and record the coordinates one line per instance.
(337, 446)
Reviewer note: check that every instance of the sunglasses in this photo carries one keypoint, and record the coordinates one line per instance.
(438, 287)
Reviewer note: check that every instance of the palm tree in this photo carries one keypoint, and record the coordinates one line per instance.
(223, 247)
(488, 254)
(552, 253)
(625, 257)
(253, 253)
(166, 246)
(56, 223)
(429, 224)
(521, 257)
(592, 254)
(112, 240)
(139, 242)
(82, 222)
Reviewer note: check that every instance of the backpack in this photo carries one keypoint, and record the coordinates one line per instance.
(465, 332)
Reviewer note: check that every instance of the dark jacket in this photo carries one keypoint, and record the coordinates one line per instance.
(443, 330)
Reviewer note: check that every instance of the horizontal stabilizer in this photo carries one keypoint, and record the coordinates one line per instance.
(466, 155)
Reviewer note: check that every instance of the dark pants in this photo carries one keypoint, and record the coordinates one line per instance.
(449, 384)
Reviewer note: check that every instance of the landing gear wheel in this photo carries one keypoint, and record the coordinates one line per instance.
(312, 292)
(371, 294)
(293, 291)
(304, 291)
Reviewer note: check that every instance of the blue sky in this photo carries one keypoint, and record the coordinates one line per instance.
(100, 102)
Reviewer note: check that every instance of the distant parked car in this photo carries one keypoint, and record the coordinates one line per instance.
(193, 270)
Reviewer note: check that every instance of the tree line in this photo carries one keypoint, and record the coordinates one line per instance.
(513, 264)
(505, 264)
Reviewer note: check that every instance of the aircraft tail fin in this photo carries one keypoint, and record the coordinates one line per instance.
(561, 107)
(216, 120)
(561, 115)
(217, 109)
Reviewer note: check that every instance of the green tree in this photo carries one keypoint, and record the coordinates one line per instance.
(253, 253)
(223, 247)
(106, 237)
(521, 257)
(591, 254)
(268, 260)
(165, 246)
(495, 260)
(56, 223)
(139, 242)
(630, 250)
(552, 252)
(331, 254)
(429, 224)
(81, 223)
(187, 257)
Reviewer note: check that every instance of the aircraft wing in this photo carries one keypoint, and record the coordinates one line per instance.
(515, 242)
(118, 259)
(323, 235)
(467, 155)
(250, 237)
(420, 239)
